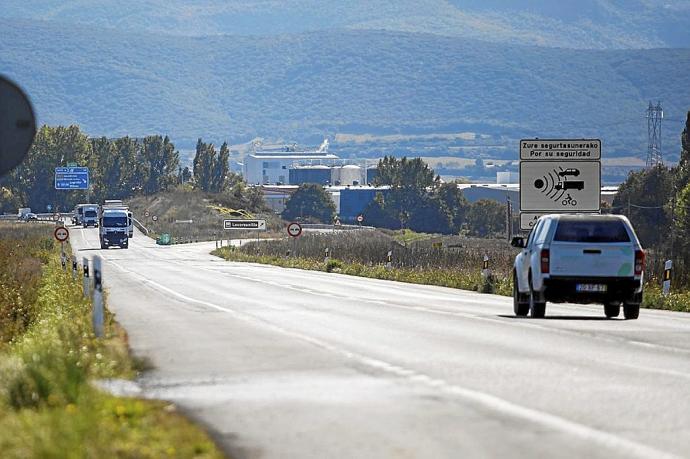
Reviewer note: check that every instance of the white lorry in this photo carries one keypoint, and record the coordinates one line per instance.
(113, 227)
(579, 259)
(118, 204)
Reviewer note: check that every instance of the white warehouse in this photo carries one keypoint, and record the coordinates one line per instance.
(264, 167)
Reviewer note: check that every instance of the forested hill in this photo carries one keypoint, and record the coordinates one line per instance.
(303, 86)
(567, 24)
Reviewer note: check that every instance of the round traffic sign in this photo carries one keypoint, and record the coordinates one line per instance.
(17, 125)
(56, 216)
(294, 229)
(154, 218)
(146, 214)
(360, 218)
(61, 234)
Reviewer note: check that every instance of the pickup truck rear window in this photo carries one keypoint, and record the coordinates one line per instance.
(591, 231)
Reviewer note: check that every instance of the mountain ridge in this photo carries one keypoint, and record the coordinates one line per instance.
(304, 86)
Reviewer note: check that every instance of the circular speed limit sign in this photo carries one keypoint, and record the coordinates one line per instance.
(294, 229)
(61, 234)
(154, 218)
(56, 216)
(146, 214)
(360, 218)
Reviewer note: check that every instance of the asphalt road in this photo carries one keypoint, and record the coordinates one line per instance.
(287, 363)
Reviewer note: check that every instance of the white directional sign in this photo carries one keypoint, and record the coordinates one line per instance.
(259, 225)
(558, 176)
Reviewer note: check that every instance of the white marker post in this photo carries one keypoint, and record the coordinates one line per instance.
(486, 272)
(74, 267)
(97, 297)
(389, 259)
(327, 255)
(86, 280)
(666, 284)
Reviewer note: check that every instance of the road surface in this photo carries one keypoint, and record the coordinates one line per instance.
(286, 363)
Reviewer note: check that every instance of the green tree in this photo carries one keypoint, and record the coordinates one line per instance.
(204, 165)
(32, 182)
(644, 198)
(162, 162)
(404, 173)
(310, 201)
(454, 204)
(486, 218)
(221, 168)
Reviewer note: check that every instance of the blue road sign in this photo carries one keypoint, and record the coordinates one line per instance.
(71, 178)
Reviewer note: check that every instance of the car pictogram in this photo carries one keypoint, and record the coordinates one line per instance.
(569, 171)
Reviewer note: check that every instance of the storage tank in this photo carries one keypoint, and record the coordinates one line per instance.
(346, 175)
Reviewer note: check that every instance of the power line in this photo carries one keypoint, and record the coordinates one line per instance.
(655, 115)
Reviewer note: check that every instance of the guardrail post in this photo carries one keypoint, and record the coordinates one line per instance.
(97, 297)
(86, 281)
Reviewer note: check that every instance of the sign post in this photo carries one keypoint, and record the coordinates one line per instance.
(71, 178)
(61, 234)
(559, 176)
(294, 230)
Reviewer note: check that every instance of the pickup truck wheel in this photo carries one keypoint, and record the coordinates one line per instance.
(520, 308)
(537, 308)
(631, 311)
(612, 310)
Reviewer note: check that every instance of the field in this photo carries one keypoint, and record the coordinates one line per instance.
(189, 215)
(450, 261)
(50, 358)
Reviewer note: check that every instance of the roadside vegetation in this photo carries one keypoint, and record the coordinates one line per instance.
(188, 214)
(418, 258)
(49, 360)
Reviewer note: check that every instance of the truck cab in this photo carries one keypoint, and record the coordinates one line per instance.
(114, 227)
(89, 215)
(579, 259)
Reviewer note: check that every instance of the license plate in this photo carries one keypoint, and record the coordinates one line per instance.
(592, 288)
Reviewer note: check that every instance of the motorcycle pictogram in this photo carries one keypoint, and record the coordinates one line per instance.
(569, 200)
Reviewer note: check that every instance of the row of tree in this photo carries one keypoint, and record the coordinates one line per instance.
(118, 169)
(657, 201)
(416, 200)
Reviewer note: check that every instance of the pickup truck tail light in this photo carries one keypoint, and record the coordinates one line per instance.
(639, 262)
(544, 257)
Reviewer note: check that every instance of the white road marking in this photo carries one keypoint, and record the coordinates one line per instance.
(497, 404)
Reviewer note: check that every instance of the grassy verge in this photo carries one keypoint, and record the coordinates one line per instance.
(49, 359)
(443, 277)
(453, 277)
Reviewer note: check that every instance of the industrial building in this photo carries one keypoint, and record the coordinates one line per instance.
(270, 166)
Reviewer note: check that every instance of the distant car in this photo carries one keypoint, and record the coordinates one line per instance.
(579, 259)
(570, 171)
(30, 216)
(570, 185)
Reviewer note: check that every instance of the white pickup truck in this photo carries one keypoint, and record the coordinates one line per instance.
(579, 259)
